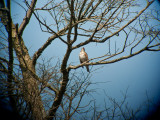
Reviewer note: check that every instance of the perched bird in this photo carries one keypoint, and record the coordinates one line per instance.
(83, 57)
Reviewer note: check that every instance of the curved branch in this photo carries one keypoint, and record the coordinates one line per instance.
(115, 33)
(107, 62)
(103, 61)
(41, 49)
(27, 17)
(106, 38)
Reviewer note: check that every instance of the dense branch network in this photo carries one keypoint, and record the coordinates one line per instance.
(104, 23)
(75, 23)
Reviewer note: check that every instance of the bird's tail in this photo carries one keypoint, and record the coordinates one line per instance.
(87, 67)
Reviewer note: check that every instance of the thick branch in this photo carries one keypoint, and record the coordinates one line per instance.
(65, 79)
(113, 61)
(107, 62)
(72, 19)
(41, 49)
(27, 17)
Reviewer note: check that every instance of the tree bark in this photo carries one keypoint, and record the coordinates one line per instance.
(29, 88)
(10, 86)
(58, 99)
(65, 79)
(32, 96)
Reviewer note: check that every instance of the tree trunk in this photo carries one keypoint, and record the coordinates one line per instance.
(32, 96)
(65, 79)
(59, 96)
(29, 88)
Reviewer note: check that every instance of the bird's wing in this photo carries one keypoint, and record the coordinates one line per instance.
(80, 60)
(86, 56)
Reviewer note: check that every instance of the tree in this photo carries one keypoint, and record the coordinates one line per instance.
(93, 21)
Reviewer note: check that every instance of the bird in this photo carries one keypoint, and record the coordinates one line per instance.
(83, 57)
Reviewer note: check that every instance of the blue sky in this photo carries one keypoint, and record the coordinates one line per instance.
(139, 74)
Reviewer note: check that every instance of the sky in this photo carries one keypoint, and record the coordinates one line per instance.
(139, 74)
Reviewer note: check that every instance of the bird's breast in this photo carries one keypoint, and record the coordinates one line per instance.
(82, 56)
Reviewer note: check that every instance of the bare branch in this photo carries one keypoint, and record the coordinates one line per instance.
(146, 48)
(27, 17)
(56, 92)
(106, 38)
